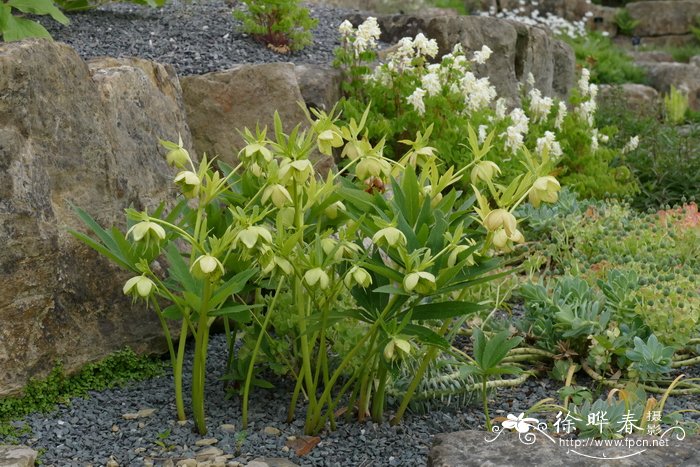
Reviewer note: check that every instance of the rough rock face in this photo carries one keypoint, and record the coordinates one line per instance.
(17, 456)
(517, 49)
(662, 18)
(70, 133)
(220, 103)
(683, 76)
(470, 449)
(637, 97)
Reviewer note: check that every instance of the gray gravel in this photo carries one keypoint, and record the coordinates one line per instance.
(91, 430)
(196, 37)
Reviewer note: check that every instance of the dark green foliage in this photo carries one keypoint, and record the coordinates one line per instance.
(284, 25)
(608, 63)
(667, 161)
(14, 26)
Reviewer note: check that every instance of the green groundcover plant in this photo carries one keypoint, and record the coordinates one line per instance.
(410, 94)
(401, 237)
(282, 25)
(14, 26)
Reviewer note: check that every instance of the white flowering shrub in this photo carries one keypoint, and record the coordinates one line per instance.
(409, 93)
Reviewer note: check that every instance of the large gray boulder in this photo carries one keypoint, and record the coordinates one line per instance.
(88, 135)
(661, 76)
(221, 103)
(663, 18)
(518, 50)
(17, 456)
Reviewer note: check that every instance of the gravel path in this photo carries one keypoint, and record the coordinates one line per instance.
(196, 36)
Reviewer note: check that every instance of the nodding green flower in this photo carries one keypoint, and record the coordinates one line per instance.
(343, 250)
(402, 344)
(454, 255)
(279, 195)
(485, 171)
(277, 262)
(371, 166)
(252, 149)
(422, 282)
(139, 286)
(329, 139)
(544, 189)
(178, 158)
(207, 267)
(147, 231)
(500, 218)
(332, 211)
(390, 236)
(504, 242)
(189, 183)
(299, 170)
(317, 276)
(250, 236)
(359, 276)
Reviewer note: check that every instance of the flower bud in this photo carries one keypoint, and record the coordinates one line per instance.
(139, 286)
(454, 255)
(485, 171)
(178, 158)
(422, 282)
(390, 236)
(359, 276)
(189, 183)
(500, 218)
(332, 211)
(279, 195)
(317, 276)
(544, 189)
(207, 267)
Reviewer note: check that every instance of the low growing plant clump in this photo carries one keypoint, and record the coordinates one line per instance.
(282, 25)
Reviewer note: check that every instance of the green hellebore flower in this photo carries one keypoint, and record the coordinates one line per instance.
(371, 166)
(317, 276)
(485, 171)
(544, 189)
(500, 218)
(359, 276)
(402, 344)
(279, 195)
(250, 235)
(332, 211)
(257, 148)
(299, 170)
(454, 255)
(140, 286)
(178, 158)
(390, 236)
(207, 267)
(327, 140)
(189, 183)
(422, 282)
(278, 263)
(504, 242)
(147, 230)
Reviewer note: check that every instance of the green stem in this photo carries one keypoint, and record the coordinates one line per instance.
(380, 395)
(313, 422)
(200, 361)
(177, 372)
(485, 400)
(254, 356)
(410, 391)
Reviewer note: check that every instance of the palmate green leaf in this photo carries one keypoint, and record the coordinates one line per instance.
(496, 349)
(411, 197)
(479, 344)
(180, 271)
(39, 7)
(238, 313)
(445, 310)
(391, 290)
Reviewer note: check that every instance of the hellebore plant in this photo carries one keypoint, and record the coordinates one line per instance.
(398, 240)
(203, 277)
